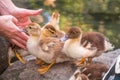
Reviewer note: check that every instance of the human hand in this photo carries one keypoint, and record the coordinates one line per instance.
(9, 29)
(7, 7)
(23, 15)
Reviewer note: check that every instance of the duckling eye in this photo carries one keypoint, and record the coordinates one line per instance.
(52, 32)
(30, 27)
(74, 32)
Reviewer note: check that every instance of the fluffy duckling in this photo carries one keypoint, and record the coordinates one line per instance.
(34, 31)
(86, 45)
(51, 44)
(92, 72)
(95, 71)
(54, 21)
(73, 47)
(44, 44)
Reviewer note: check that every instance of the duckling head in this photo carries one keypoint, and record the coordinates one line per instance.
(49, 31)
(33, 29)
(79, 76)
(73, 33)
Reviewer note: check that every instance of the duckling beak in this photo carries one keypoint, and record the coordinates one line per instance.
(64, 38)
(24, 30)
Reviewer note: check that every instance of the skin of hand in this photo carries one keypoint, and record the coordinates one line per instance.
(9, 29)
(10, 25)
(23, 15)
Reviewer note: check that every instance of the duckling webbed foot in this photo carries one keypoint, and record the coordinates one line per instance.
(44, 69)
(19, 57)
(39, 61)
(81, 62)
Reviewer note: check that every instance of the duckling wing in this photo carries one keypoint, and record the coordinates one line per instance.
(96, 39)
(51, 44)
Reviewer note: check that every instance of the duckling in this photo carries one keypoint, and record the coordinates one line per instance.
(54, 21)
(50, 43)
(90, 72)
(94, 71)
(44, 44)
(34, 31)
(73, 47)
(86, 45)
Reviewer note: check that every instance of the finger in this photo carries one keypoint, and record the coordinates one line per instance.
(16, 32)
(18, 44)
(20, 40)
(33, 12)
(25, 36)
(23, 22)
(22, 36)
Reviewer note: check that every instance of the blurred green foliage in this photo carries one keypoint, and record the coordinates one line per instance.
(89, 15)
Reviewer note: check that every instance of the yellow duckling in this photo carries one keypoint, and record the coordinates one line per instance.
(34, 31)
(73, 47)
(45, 45)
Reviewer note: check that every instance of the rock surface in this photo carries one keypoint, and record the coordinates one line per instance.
(3, 54)
(62, 71)
(19, 71)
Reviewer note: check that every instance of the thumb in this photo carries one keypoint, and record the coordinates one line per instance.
(33, 12)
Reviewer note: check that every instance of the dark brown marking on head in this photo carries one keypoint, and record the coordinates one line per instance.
(74, 32)
(50, 28)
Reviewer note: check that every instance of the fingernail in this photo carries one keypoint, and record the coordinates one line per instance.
(40, 10)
